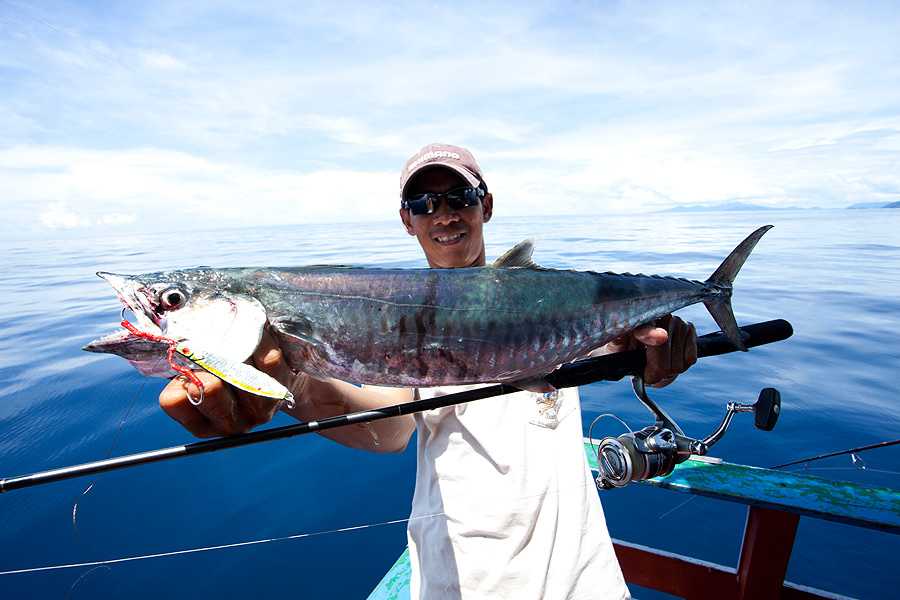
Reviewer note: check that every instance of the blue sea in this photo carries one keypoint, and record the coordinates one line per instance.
(834, 274)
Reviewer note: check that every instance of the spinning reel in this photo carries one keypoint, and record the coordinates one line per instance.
(655, 450)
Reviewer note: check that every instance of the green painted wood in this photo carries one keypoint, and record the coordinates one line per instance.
(841, 501)
(395, 584)
(845, 502)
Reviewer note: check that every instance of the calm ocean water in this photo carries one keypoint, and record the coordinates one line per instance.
(835, 275)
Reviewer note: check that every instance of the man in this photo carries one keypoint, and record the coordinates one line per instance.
(504, 504)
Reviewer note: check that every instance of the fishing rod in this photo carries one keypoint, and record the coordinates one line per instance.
(611, 367)
(842, 452)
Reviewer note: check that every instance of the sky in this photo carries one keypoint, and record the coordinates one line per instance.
(121, 116)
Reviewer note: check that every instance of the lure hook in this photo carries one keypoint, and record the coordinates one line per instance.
(191, 399)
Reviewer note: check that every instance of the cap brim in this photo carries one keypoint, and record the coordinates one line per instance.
(467, 176)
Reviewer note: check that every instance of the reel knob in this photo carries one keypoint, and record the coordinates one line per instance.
(767, 409)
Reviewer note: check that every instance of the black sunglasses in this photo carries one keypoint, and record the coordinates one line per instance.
(426, 204)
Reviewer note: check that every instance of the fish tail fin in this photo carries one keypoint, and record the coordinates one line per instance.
(723, 278)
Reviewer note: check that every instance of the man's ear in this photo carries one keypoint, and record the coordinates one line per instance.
(404, 216)
(487, 207)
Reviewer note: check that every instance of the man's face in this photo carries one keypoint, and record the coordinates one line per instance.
(450, 238)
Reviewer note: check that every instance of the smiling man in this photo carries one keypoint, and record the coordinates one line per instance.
(450, 238)
(504, 505)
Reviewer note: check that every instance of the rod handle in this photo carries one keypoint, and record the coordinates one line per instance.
(613, 367)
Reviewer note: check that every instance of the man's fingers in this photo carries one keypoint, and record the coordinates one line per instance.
(655, 333)
(220, 412)
(619, 344)
(268, 359)
(659, 364)
(175, 404)
(666, 362)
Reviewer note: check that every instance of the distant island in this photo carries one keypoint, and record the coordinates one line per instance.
(735, 206)
(875, 205)
(744, 206)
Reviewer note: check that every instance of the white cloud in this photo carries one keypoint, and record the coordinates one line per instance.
(59, 216)
(307, 112)
(116, 219)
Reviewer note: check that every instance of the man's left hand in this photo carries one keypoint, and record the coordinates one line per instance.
(671, 348)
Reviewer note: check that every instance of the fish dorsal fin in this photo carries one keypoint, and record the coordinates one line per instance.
(518, 257)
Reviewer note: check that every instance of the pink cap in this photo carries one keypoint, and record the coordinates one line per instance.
(450, 157)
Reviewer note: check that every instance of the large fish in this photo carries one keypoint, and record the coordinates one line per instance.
(511, 322)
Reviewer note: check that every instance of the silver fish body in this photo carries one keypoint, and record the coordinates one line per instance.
(510, 322)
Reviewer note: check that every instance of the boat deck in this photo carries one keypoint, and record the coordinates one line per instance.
(776, 501)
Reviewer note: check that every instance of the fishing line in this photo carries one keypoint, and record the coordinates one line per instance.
(83, 575)
(591, 433)
(670, 511)
(209, 548)
(101, 562)
(105, 563)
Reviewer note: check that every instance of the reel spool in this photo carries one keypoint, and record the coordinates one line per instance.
(620, 462)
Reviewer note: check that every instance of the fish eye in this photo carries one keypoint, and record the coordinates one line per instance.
(173, 298)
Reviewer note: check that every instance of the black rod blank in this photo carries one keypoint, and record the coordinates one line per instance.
(611, 367)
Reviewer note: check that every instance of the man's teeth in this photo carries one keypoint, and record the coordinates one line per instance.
(449, 238)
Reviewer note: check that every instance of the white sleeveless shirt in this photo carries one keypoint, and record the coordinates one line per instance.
(505, 505)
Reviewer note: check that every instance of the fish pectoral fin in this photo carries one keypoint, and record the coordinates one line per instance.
(534, 384)
(298, 330)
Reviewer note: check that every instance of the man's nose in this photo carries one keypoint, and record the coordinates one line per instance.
(445, 213)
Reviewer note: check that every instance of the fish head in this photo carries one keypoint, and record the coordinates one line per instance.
(200, 307)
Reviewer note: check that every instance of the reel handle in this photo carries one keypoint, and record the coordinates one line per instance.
(767, 409)
(655, 451)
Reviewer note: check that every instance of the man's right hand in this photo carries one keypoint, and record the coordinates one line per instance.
(226, 410)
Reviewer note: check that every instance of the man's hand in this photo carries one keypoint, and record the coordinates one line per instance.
(671, 348)
(226, 410)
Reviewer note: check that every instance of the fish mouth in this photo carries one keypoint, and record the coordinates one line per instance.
(149, 357)
(141, 300)
(129, 346)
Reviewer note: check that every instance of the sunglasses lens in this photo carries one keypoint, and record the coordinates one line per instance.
(457, 199)
(425, 204)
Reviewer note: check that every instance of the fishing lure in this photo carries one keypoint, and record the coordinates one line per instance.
(238, 374)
